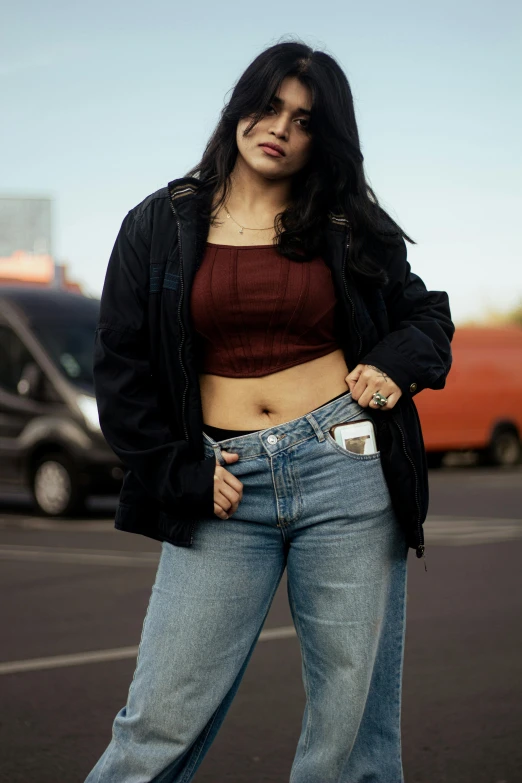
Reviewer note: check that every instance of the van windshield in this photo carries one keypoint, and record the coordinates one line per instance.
(70, 344)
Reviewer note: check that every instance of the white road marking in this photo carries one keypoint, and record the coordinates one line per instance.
(13, 522)
(439, 530)
(116, 654)
(51, 554)
(455, 531)
(508, 480)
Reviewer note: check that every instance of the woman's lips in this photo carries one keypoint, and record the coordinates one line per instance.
(271, 151)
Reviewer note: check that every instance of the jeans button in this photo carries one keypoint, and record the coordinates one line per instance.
(272, 439)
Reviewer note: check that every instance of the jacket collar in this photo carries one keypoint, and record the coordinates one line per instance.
(184, 189)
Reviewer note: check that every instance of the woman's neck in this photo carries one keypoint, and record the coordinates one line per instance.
(254, 195)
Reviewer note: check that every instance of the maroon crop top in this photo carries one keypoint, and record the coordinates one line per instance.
(257, 312)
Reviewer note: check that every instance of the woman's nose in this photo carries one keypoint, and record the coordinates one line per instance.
(280, 127)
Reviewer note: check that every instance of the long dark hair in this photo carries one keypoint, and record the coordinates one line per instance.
(333, 180)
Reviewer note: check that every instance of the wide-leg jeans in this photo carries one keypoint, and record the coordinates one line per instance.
(325, 515)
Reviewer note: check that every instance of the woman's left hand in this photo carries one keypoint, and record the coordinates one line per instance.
(365, 379)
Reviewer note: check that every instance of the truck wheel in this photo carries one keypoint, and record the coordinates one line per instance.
(505, 448)
(55, 487)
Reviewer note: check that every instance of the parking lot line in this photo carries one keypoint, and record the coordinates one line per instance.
(51, 554)
(459, 531)
(116, 654)
(439, 530)
(16, 522)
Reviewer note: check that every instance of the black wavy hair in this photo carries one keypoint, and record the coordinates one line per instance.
(333, 180)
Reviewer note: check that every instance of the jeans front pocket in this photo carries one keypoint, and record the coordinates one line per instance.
(354, 485)
(330, 440)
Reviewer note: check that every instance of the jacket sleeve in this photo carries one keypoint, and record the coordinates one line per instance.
(127, 399)
(416, 353)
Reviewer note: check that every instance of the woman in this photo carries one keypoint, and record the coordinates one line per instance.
(248, 308)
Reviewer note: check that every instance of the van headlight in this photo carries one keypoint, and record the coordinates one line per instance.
(89, 409)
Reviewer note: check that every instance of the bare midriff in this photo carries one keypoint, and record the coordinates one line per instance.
(257, 403)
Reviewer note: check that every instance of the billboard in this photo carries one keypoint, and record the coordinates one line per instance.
(25, 224)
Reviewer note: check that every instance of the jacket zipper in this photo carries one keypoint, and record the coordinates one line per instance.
(420, 550)
(193, 524)
(350, 298)
(180, 321)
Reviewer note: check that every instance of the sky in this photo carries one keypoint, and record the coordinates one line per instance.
(104, 103)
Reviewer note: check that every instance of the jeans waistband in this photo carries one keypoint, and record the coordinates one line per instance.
(271, 440)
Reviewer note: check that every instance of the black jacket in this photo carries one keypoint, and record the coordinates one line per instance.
(146, 364)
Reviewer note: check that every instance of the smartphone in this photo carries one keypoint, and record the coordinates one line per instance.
(356, 436)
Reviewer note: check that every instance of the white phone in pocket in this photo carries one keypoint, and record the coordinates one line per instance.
(358, 437)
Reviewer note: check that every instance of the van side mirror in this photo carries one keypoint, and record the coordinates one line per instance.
(30, 383)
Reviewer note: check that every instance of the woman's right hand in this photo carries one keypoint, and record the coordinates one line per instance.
(228, 490)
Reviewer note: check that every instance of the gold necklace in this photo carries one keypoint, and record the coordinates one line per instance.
(246, 227)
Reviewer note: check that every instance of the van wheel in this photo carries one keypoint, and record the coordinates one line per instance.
(505, 448)
(55, 487)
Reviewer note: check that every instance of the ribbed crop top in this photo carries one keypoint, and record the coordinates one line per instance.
(257, 312)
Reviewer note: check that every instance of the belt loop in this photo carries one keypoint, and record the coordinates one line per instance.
(317, 429)
(218, 455)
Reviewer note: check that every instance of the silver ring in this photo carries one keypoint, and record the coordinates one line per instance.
(379, 399)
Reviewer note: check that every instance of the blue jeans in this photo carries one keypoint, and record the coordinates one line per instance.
(325, 515)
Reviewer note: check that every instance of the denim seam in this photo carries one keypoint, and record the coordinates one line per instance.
(298, 493)
(296, 482)
(141, 637)
(194, 756)
(305, 677)
(114, 738)
(192, 761)
(279, 524)
(105, 762)
(401, 639)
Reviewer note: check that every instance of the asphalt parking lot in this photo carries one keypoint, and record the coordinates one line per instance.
(76, 592)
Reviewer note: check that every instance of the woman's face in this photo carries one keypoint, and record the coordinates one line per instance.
(284, 124)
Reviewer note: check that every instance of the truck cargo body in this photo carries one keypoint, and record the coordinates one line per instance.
(481, 405)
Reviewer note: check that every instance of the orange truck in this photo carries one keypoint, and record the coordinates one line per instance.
(480, 408)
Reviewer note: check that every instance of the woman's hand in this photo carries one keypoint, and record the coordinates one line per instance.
(228, 490)
(365, 379)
